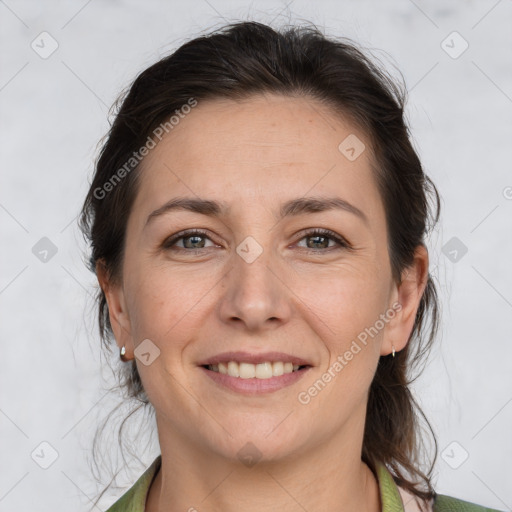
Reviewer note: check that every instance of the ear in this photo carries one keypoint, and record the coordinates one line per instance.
(118, 312)
(406, 297)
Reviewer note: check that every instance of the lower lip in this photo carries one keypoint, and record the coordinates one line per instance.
(255, 386)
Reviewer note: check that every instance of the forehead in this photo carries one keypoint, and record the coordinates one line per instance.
(260, 149)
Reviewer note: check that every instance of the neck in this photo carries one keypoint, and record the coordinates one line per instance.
(321, 479)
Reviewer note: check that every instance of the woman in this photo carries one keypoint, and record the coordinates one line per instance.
(257, 220)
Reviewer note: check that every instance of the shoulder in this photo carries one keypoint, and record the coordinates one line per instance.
(444, 503)
(440, 503)
(134, 500)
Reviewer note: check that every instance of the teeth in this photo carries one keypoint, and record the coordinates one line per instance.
(233, 369)
(250, 371)
(277, 369)
(247, 371)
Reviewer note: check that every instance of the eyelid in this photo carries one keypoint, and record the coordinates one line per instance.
(339, 239)
(171, 240)
(342, 242)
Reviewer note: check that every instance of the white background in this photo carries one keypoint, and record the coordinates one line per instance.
(53, 113)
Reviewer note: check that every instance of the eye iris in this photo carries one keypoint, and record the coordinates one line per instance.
(324, 238)
(192, 237)
(314, 241)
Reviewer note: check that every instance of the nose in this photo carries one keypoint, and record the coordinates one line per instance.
(255, 296)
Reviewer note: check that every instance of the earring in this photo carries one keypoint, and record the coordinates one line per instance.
(122, 354)
(392, 353)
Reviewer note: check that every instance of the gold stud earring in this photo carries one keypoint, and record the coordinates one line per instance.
(393, 353)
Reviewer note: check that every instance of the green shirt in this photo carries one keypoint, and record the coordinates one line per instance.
(134, 500)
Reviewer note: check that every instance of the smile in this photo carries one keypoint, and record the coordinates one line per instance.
(265, 370)
(254, 379)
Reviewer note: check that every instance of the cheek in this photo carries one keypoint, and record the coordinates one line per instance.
(347, 315)
(347, 307)
(165, 305)
(164, 308)
(345, 300)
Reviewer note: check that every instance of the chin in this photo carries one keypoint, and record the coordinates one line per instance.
(254, 443)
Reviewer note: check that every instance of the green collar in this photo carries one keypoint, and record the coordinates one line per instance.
(389, 494)
(135, 498)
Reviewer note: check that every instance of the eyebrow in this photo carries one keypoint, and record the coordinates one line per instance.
(292, 207)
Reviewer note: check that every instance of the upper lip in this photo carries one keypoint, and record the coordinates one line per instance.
(247, 357)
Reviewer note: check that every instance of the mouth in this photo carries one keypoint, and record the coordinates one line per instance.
(253, 373)
(263, 371)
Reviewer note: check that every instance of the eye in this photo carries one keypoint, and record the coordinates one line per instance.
(320, 239)
(193, 240)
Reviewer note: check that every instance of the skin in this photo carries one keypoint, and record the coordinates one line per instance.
(256, 154)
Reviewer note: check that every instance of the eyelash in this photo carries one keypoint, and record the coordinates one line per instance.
(343, 244)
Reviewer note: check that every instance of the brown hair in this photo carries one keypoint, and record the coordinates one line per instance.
(246, 58)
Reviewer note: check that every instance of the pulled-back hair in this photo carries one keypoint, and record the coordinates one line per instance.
(249, 58)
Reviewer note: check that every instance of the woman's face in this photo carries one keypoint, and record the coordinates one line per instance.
(258, 280)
